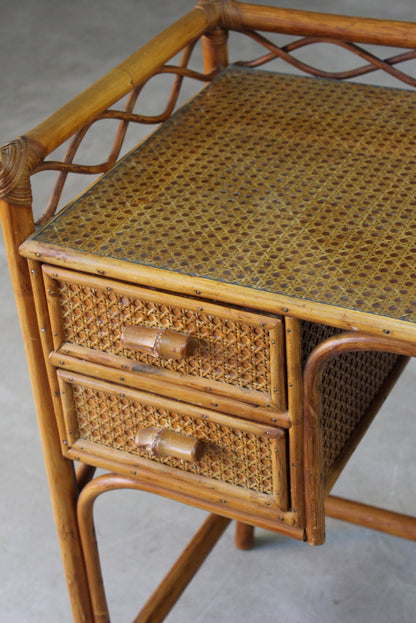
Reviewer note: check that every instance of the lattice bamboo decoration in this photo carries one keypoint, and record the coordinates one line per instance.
(125, 117)
(374, 63)
(181, 71)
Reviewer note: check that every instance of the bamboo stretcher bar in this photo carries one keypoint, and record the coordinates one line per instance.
(338, 27)
(371, 517)
(172, 586)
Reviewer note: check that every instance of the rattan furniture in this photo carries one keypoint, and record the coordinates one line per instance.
(218, 317)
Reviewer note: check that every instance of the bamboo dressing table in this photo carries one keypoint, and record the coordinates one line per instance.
(219, 317)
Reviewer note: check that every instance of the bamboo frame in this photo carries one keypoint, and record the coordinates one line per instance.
(17, 223)
(396, 524)
(197, 287)
(295, 408)
(215, 51)
(211, 20)
(168, 592)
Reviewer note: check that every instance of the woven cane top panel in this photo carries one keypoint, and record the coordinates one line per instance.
(292, 185)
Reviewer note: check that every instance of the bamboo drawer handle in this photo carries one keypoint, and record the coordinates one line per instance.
(162, 343)
(166, 443)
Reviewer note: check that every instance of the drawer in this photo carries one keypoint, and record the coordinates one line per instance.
(225, 350)
(206, 448)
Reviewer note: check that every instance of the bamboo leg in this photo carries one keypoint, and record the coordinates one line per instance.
(17, 222)
(175, 582)
(86, 500)
(244, 535)
(371, 517)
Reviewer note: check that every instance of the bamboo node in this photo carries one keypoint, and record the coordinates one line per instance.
(18, 159)
(217, 36)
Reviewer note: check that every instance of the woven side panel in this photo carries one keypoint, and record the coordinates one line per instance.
(231, 455)
(226, 351)
(350, 383)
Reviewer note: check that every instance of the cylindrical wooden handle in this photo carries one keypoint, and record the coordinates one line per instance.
(167, 443)
(162, 343)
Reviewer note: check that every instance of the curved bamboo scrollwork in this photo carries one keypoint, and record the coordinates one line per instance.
(125, 117)
(373, 62)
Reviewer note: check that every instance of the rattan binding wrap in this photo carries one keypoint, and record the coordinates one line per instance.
(231, 455)
(349, 385)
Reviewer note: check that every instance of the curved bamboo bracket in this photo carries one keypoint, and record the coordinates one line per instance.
(314, 477)
(18, 159)
(170, 589)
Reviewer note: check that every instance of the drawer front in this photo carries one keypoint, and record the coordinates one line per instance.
(249, 457)
(234, 352)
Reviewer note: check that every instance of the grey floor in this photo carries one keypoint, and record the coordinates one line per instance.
(49, 51)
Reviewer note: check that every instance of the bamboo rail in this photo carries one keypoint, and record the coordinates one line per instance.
(136, 69)
(207, 15)
(339, 27)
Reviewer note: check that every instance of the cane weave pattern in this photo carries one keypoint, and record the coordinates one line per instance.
(350, 383)
(225, 351)
(231, 455)
(294, 185)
